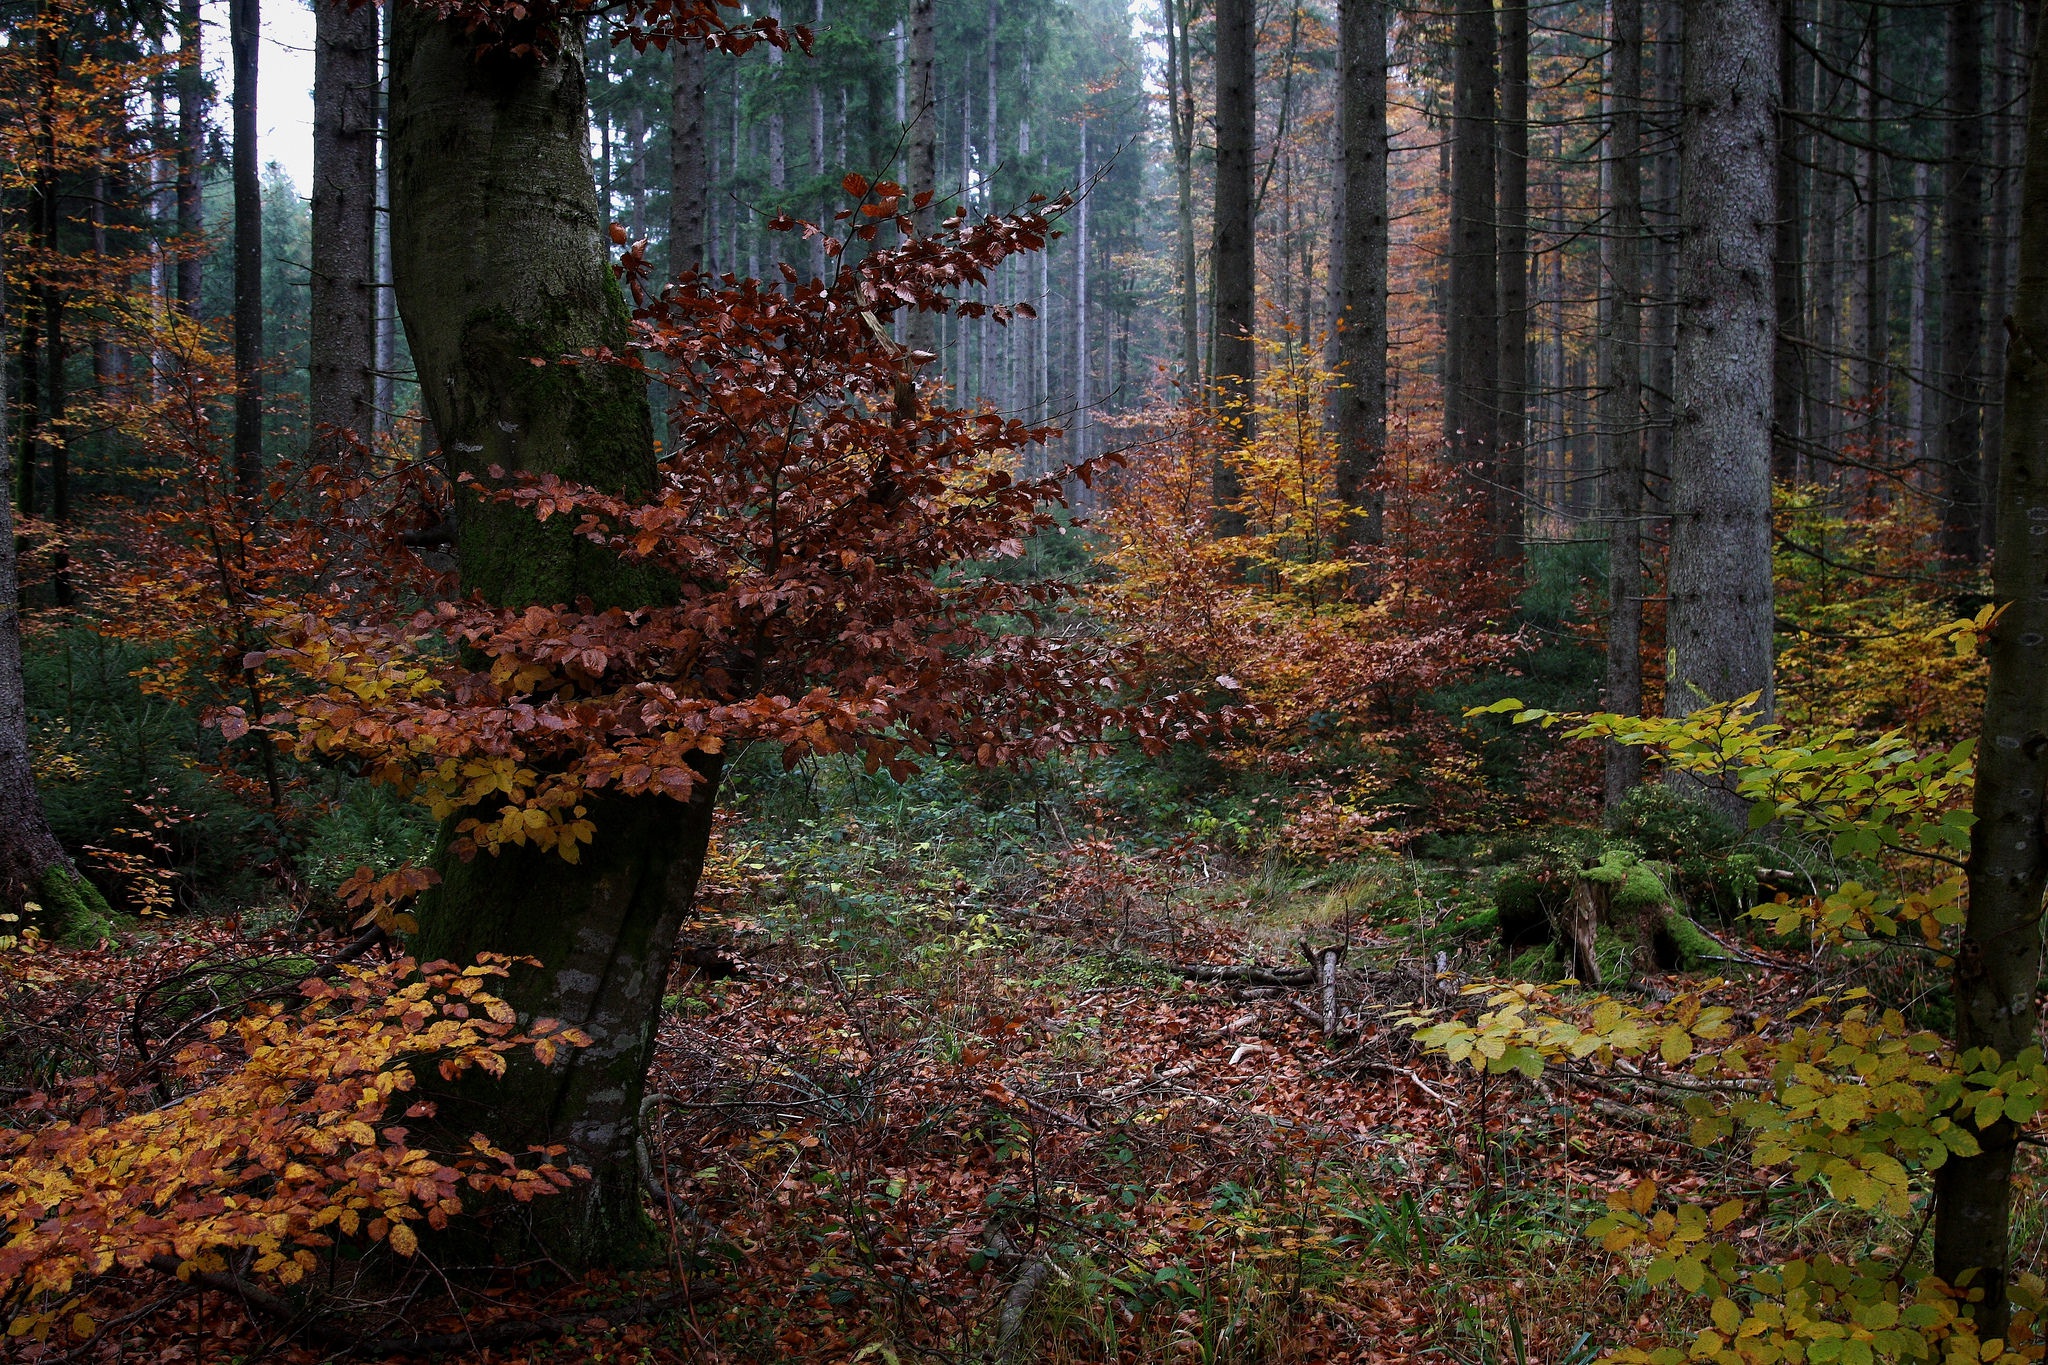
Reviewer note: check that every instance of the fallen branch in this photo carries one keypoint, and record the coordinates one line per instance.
(1245, 975)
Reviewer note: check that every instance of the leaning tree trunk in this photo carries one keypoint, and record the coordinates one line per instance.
(1719, 623)
(1621, 391)
(1998, 967)
(34, 868)
(1231, 253)
(1361, 255)
(342, 394)
(500, 256)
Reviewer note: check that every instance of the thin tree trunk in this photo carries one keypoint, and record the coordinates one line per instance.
(636, 174)
(386, 389)
(1919, 338)
(492, 199)
(191, 154)
(1232, 250)
(1360, 254)
(1084, 368)
(1513, 378)
(1471, 329)
(1788, 366)
(1621, 424)
(245, 37)
(1719, 617)
(1959, 451)
(341, 390)
(1998, 965)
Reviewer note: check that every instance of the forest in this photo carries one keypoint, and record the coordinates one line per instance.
(894, 681)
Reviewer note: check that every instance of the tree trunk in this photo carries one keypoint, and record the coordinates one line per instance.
(921, 332)
(341, 394)
(1513, 378)
(1232, 321)
(688, 185)
(2007, 53)
(1084, 360)
(501, 256)
(1719, 620)
(1360, 252)
(385, 386)
(191, 152)
(1180, 94)
(1959, 452)
(1788, 365)
(1998, 966)
(34, 869)
(1663, 319)
(1621, 389)
(245, 38)
(1471, 329)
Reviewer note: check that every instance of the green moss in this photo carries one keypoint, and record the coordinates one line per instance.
(74, 908)
(1537, 964)
(1687, 943)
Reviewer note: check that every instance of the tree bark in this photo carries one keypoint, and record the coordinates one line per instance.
(1788, 365)
(1471, 329)
(921, 332)
(500, 256)
(245, 39)
(688, 185)
(191, 152)
(1998, 965)
(1959, 453)
(1232, 320)
(1180, 108)
(1513, 378)
(1621, 389)
(1719, 621)
(342, 387)
(1361, 255)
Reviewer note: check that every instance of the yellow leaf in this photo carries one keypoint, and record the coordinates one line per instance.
(403, 1240)
(82, 1325)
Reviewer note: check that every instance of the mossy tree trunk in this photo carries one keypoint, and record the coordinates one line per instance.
(499, 256)
(1998, 965)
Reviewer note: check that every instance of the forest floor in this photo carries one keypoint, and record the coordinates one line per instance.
(960, 1102)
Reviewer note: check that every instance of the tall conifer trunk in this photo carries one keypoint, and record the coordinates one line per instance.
(1998, 966)
(1959, 436)
(688, 183)
(1788, 365)
(1231, 253)
(191, 152)
(245, 41)
(1471, 329)
(1621, 390)
(343, 346)
(1360, 252)
(1719, 621)
(500, 256)
(1511, 495)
